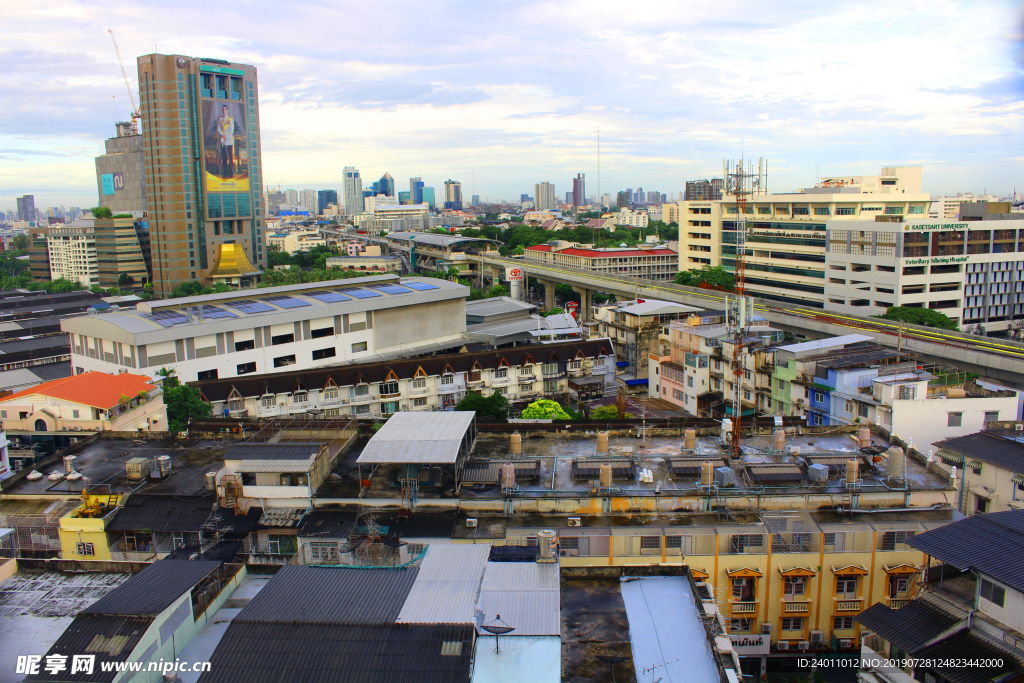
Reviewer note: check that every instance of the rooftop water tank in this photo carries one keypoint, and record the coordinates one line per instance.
(606, 476)
(602, 442)
(689, 439)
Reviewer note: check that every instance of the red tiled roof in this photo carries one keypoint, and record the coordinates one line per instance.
(96, 389)
(590, 253)
(540, 247)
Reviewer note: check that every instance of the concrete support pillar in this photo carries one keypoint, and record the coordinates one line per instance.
(497, 272)
(549, 293)
(586, 300)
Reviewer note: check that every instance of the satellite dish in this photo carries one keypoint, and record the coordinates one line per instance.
(498, 628)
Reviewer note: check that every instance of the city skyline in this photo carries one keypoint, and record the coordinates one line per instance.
(829, 90)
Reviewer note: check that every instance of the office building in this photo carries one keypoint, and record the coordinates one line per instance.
(523, 198)
(325, 197)
(794, 270)
(453, 194)
(949, 207)
(476, 200)
(623, 199)
(27, 208)
(204, 180)
(970, 271)
(270, 330)
(386, 185)
(704, 190)
(544, 196)
(416, 190)
(353, 191)
(292, 197)
(121, 173)
(404, 198)
(72, 253)
(94, 251)
(428, 197)
(309, 201)
(644, 262)
(579, 190)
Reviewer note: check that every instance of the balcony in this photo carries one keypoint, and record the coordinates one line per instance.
(844, 605)
(448, 388)
(475, 383)
(240, 412)
(796, 607)
(558, 374)
(268, 411)
(739, 608)
(419, 391)
(530, 376)
(897, 603)
(500, 381)
(335, 401)
(299, 406)
(361, 399)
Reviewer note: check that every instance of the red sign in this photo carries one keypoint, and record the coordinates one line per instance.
(572, 307)
(514, 274)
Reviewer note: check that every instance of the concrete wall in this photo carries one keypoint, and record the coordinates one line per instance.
(927, 420)
(438, 321)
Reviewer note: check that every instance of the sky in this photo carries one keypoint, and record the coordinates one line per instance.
(504, 94)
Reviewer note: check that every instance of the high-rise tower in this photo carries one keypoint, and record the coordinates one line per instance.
(204, 181)
(452, 194)
(353, 191)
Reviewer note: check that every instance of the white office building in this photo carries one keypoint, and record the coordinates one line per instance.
(633, 219)
(544, 196)
(308, 201)
(72, 252)
(353, 191)
(292, 327)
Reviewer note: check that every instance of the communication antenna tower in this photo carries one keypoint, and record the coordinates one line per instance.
(136, 114)
(741, 183)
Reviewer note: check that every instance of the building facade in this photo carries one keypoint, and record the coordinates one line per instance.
(632, 219)
(204, 170)
(647, 263)
(72, 254)
(544, 196)
(27, 208)
(325, 197)
(121, 172)
(353, 191)
(453, 195)
(579, 190)
(704, 190)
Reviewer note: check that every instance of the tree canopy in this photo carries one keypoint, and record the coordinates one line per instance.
(494, 405)
(919, 316)
(609, 413)
(708, 277)
(184, 404)
(545, 409)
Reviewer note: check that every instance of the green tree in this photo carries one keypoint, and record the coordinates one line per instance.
(184, 404)
(125, 280)
(919, 316)
(545, 409)
(609, 413)
(169, 375)
(495, 405)
(708, 277)
(21, 242)
(101, 212)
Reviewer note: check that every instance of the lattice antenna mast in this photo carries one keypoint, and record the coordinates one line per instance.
(136, 114)
(741, 183)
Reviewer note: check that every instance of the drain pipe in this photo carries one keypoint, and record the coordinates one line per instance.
(936, 506)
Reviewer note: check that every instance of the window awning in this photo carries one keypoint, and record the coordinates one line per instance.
(983, 492)
(1018, 479)
(951, 458)
(622, 363)
(728, 411)
(850, 570)
(975, 465)
(797, 571)
(901, 569)
(699, 574)
(636, 382)
(743, 573)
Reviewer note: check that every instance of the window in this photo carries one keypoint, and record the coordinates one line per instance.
(846, 588)
(993, 593)
(447, 379)
(862, 409)
(898, 583)
(818, 396)
(739, 625)
(891, 539)
(501, 372)
(743, 590)
(575, 364)
(284, 361)
(282, 339)
(569, 543)
(549, 368)
(246, 345)
(269, 401)
(551, 385)
(362, 390)
(300, 397)
(740, 542)
(650, 542)
(207, 374)
(322, 332)
(323, 552)
(673, 541)
(795, 585)
(792, 623)
(331, 393)
(388, 388)
(501, 390)
(419, 383)
(991, 416)
(246, 368)
(419, 402)
(361, 410)
(388, 407)
(980, 504)
(319, 354)
(359, 347)
(954, 419)
(74, 414)
(85, 549)
(842, 623)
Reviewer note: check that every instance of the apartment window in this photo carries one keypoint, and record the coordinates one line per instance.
(447, 379)
(362, 390)
(361, 410)
(551, 386)
(282, 339)
(862, 409)
(284, 361)
(743, 590)
(359, 347)
(246, 345)
(269, 401)
(842, 623)
(501, 390)
(323, 552)
(388, 407)
(954, 419)
(246, 368)
(673, 541)
(74, 414)
(300, 397)
(991, 416)
(319, 354)
(207, 374)
(993, 593)
(689, 382)
(331, 393)
(549, 368)
(740, 625)
(792, 623)
(650, 542)
(85, 549)
(818, 396)
(575, 364)
(419, 402)
(898, 584)
(388, 388)
(846, 588)
(891, 539)
(501, 372)
(980, 505)
(322, 332)
(795, 585)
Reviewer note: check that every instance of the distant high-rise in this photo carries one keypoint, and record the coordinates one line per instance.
(523, 198)
(27, 208)
(386, 185)
(325, 197)
(704, 190)
(308, 201)
(121, 172)
(568, 198)
(452, 194)
(579, 190)
(353, 191)
(544, 196)
(416, 190)
(622, 199)
(476, 200)
(428, 197)
(293, 197)
(204, 182)
(404, 198)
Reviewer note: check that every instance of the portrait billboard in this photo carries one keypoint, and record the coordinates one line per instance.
(225, 146)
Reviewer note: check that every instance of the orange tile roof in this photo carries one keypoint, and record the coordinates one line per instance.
(96, 389)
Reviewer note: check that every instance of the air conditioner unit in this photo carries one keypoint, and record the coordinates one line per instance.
(782, 645)
(471, 523)
(1019, 427)
(63, 429)
(575, 521)
(846, 643)
(78, 429)
(817, 636)
(766, 628)
(804, 645)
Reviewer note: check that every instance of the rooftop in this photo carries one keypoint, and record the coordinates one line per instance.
(435, 239)
(496, 308)
(980, 543)
(911, 627)
(1002, 451)
(427, 438)
(96, 389)
(153, 589)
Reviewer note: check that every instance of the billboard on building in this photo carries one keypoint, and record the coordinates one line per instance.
(225, 146)
(112, 182)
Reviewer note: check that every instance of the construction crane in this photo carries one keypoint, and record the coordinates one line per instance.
(136, 114)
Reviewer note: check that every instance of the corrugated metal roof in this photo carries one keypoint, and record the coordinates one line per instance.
(448, 585)
(525, 594)
(999, 451)
(109, 639)
(909, 628)
(302, 653)
(251, 466)
(272, 451)
(164, 513)
(419, 438)
(947, 655)
(980, 542)
(521, 576)
(328, 595)
(327, 524)
(153, 589)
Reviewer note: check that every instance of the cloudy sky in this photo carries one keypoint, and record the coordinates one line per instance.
(503, 94)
